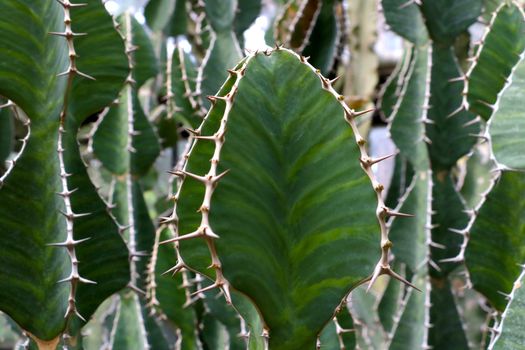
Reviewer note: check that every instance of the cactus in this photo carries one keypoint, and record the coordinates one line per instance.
(160, 188)
(65, 229)
(197, 231)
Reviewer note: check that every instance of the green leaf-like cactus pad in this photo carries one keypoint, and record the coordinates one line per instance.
(295, 213)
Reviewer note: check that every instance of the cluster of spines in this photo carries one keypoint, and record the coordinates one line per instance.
(210, 181)
(23, 140)
(70, 243)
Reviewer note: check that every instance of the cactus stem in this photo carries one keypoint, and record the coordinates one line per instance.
(74, 277)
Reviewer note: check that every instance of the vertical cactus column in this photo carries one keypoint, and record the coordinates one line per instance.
(432, 129)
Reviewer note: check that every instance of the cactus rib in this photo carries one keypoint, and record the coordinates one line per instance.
(74, 277)
(210, 181)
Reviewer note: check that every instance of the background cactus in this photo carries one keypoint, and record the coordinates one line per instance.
(188, 194)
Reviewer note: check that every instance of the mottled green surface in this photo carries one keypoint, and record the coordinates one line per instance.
(496, 244)
(446, 19)
(452, 131)
(406, 20)
(295, 237)
(507, 126)
(501, 49)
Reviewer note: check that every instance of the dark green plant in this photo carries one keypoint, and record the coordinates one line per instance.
(162, 188)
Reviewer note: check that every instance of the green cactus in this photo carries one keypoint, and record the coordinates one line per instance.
(160, 188)
(55, 231)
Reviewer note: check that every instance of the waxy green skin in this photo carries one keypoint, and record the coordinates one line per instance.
(30, 60)
(280, 243)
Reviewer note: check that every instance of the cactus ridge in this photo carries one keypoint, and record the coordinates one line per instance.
(70, 243)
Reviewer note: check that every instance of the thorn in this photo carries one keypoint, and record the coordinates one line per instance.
(377, 271)
(402, 279)
(434, 265)
(355, 114)
(480, 136)
(371, 161)
(68, 243)
(163, 220)
(334, 79)
(408, 3)
(209, 138)
(485, 103)
(67, 193)
(175, 269)
(458, 231)
(194, 234)
(73, 216)
(456, 259)
(437, 245)
(67, 34)
(221, 175)
(193, 132)
(226, 290)
(461, 78)
(455, 112)
(136, 289)
(390, 212)
(205, 289)
(472, 122)
(193, 176)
